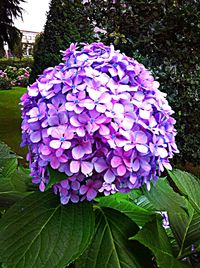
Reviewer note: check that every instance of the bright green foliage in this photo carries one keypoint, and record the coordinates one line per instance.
(66, 23)
(39, 232)
(122, 231)
(110, 246)
(14, 181)
(155, 238)
(136, 213)
(188, 185)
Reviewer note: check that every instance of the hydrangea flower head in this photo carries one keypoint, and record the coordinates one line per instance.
(100, 120)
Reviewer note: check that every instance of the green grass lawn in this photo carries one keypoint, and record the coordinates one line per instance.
(10, 118)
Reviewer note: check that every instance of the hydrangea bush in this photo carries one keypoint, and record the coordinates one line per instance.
(13, 76)
(100, 120)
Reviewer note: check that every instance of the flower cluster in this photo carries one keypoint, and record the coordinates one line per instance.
(4, 80)
(99, 119)
(13, 76)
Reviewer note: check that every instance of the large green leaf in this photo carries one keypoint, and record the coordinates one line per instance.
(186, 228)
(39, 232)
(144, 203)
(110, 247)
(15, 186)
(188, 185)
(138, 214)
(6, 152)
(7, 167)
(155, 238)
(8, 160)
(163, 197)
(184, 221)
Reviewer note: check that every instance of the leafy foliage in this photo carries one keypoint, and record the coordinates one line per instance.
(16, 62)
(38, 219)
(155, 238)
(110, 246)
(123, 230)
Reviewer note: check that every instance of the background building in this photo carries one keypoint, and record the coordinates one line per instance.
(28, 40)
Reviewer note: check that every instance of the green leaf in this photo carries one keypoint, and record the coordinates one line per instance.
(186, 228)
(135, 213)
(6, 152)
(55, 176)
(38, 231)
(144, 202)
(154, 237)
(7, 167)
(8, 160)
(163, 197)
(188, 185)
(14, 187)
(110, 247)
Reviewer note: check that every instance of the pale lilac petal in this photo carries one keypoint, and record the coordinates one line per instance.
(145, 165)
(109, 177)
(162, 152)
(74, 166)
(167, 165)
(142, 148)
(116, 161)
(133, 179)
(118, 108)
(86, 167)
(42, 186)
(100, 165)
(45, 150)
(66, 145)
(144, 114)
(55, 133)
(101, 108)
(70, 106)
(55, 144)
(74, 121)
(121, 170)
(136, 165)
(140, 137)
(80, 131)
(78, 109)
(78, 152)
(35, 136)
(55, 163)
(104, 130)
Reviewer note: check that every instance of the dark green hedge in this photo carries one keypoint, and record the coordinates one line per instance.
(16, 62)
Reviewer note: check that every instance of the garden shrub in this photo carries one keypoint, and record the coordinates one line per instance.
(13, 76)
(16, 62)
(4, 80)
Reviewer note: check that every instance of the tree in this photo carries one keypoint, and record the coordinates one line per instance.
(66, 23)
(10, 10)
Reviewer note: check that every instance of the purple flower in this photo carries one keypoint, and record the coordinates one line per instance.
(89, 190)
(99, 118)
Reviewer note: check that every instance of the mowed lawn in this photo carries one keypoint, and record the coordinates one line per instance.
(10, 118)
